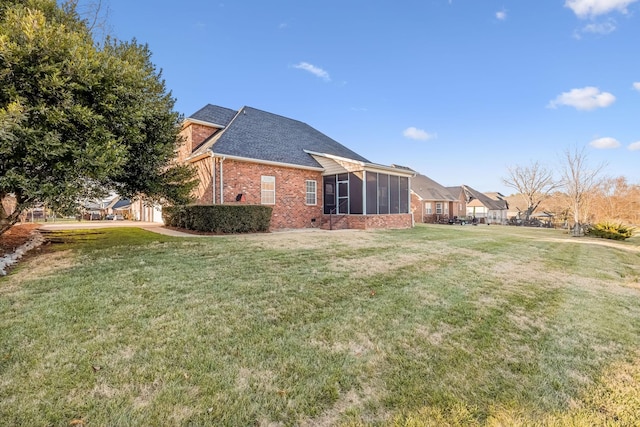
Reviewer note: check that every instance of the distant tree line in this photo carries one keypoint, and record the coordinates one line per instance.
(579, 194)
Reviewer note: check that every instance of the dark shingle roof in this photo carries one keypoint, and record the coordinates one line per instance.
(214, 114)
(260, 135)
(122, 203)
(428, 189)
(484, 199)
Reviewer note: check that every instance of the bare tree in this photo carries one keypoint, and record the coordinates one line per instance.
(615, 199)
(94, 14)
(579, 180)
(533, 183)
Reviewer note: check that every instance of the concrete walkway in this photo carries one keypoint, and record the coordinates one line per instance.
(87, 225)
(161, 229)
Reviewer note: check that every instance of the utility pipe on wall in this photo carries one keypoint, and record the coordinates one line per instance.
(213, 178)
(221, 182)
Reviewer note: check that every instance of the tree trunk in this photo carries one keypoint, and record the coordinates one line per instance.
(8, 220)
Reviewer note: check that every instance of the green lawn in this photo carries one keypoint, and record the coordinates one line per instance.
(438, 325)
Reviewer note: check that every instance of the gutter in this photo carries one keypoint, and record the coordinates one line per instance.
(213, 178)
(370, 166)
(221, 181)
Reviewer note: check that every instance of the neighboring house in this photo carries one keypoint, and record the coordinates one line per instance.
(255, 157)
(122, 207)
(140, 210)
(432, 202)
(490, 208)
(93, 210)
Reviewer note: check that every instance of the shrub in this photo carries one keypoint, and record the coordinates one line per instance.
(610, 230)
(219, 218)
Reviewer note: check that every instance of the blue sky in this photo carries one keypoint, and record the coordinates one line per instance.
(456, 89)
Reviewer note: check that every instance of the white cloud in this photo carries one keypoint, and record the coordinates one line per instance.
(605, 143)
(418, 134)
(636, 86)
(635, 146)
(501, 15)
(316, 71)
(587, 98)
(592, 8)
(600, 28)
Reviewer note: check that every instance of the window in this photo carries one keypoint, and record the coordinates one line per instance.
(383, 194)
(372, 193)
(428, 206)
(268, 190)
(312, 193)
(438, 208)
(404, 195)
(394, 194)
(329, 194)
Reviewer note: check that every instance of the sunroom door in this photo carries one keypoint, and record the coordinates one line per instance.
(343, 194)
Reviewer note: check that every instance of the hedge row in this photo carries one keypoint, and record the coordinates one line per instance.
(219, 218)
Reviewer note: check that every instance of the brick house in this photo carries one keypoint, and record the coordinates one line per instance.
(255, 157)
(433, 203)
(490, 208)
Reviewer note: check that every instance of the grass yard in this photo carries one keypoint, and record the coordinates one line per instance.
(438, 325)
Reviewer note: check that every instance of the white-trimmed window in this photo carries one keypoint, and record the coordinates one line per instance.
(268, 190)
(438, 208)
(428, 206)
(312, 192)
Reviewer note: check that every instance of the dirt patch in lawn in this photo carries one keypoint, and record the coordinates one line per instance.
(15, 237)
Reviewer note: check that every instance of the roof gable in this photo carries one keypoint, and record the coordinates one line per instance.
(484, 199)
(214, 114)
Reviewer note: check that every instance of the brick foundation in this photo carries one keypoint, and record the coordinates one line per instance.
(366, 222)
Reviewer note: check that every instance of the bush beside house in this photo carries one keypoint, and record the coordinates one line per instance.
(219, 218)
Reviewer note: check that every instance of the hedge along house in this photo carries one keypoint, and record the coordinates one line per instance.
(310, 180)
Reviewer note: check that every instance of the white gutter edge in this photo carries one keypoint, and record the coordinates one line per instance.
(396, 171)
(200, 122)
(268, 162)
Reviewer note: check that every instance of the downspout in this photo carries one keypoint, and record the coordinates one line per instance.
(221, 182)
(213, 178)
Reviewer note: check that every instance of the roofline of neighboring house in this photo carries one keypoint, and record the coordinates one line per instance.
(366, 165)
(433, 200)
(189, 120)
(210, 153)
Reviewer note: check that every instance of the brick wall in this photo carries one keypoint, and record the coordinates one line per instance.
(417, 207)
(290, 209)
(193, 135)
(367, 222)
(199, 133)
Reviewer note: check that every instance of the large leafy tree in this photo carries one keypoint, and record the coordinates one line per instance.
(79, 118)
